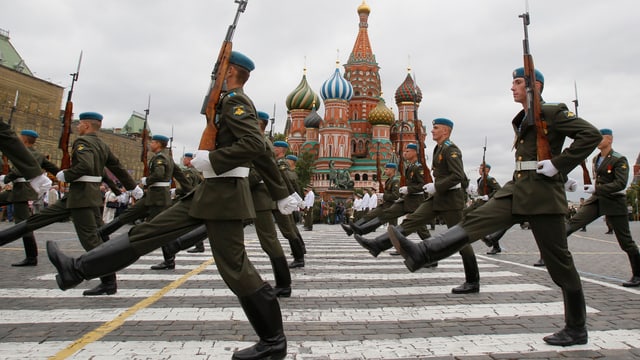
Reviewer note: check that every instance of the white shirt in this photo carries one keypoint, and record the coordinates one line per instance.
(357, 204)
(309, 199)
(365, 200)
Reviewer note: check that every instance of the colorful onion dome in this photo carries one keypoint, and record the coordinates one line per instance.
(407, 90)
(313, 120)
(381, 114)
(302, 97)
(337, 87)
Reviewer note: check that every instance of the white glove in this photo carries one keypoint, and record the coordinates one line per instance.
(143, 181)
(287, 205)
(59, 176)
(472, 189)
(571, 185)
(137, 192)
(484, 197)
(403, 190)
(1, 179)
(590, 189)
(298, 199)
(429, 188)
(41, 184)
(202, 163)
(546, 168)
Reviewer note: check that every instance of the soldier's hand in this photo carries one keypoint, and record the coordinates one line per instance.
(571, 185)
(1, 179)
(143, 181)
(546, 168)
(137, 192)
(590, 189)
(429, 188)
(484, 197)
(202, 163)
(60, 176)
(403, 190)
(472, 188)
(287, 205)
(41, 184)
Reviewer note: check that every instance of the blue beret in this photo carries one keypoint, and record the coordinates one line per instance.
(189, 155)
(487, 165)
(412, 146)
(391, 166)
(241, 60)
(291, 157)
(91, 116)
(606, 132)
(281, 144)
(443, 121)
(519, 72)
(31, 133)
(263, 116)
(160, 138)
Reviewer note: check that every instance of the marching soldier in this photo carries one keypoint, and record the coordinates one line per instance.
(486, 190)
(608, 198)
(23, 192)
(535, 194)
(194, 177)
(222, 203)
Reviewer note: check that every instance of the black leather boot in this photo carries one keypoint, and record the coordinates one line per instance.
(417, 255)
(109, 228)
(377, 245)
(282, 276)
(28, 261)
(297, 263)
(103, 260)
(471, 272)
(263, 311)
(197, 248)
(367, 227)
(13, 233)
(187, 240)
(634, 259)
(347, 228)
(107, 286)
(575, 315)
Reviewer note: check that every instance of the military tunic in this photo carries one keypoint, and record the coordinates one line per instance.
(536, 198)
(221, 202)
(611, 176)
(14, 150)
(391, 194)
(287, 223)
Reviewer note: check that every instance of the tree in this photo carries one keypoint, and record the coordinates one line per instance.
(304, 169)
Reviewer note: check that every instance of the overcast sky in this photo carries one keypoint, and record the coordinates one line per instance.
(461, 52)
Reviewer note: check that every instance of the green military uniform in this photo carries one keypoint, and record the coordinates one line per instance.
(450, 183)
(22, 192)
(489, 188)
(193, 177)
(286, 223)
(14, 150)
(611, 176)
(389, 197)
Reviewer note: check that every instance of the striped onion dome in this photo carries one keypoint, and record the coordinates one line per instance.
(381, 114)
(302, 97)
(313, 120)
(337, 87)
(406, 91)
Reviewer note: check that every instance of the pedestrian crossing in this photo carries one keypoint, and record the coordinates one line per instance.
(345, 304)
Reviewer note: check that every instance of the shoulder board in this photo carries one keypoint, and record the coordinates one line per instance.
(447, 143)
(616, 154)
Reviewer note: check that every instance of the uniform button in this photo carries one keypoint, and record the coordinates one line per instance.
(519, 158)
(519, 175)
(521, 141)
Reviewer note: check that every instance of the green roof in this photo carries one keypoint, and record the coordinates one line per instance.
(135, 124)
(9, 57)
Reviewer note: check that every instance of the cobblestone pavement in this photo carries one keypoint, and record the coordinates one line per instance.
(345, 305)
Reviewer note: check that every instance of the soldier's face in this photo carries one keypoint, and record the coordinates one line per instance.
(605, 142)
(440, 132)
(389, 172)
(410, 154)
(519, 91)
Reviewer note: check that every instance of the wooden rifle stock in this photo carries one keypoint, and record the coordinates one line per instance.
(378, 171)
(5, 159)
(485, 186)
(208, 138)
(534, 109)
(63, 143)
(421, 156)
(586, 179)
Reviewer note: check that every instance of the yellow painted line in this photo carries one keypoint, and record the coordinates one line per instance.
(110, 326)
(594, 239)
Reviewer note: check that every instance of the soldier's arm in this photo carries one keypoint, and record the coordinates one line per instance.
(114, 165)
(620, 170)
(182, 179)
(456, 170)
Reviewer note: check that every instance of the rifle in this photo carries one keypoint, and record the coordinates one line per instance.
(65, 135)
(273, 121)
(426, 172)
(209, 107)
(378, 171)
(5, 159)
(534, 110)
(485, 186)
(145, 140)
(586, 179)
(403, 179)
(173, 183)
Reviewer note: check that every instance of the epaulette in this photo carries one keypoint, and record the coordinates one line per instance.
(616, 154)
(447, 142)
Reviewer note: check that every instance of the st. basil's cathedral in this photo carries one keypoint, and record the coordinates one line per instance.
(358, 130)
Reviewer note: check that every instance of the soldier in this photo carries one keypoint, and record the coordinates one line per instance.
(608, 198)
(412, 196)
(486, 190)
(222, 202)
(309, 201)
(82, 203)
(23, 192)
(536, 194)
(157, 195)
(22, 160)
(194, 177)
(286, 223)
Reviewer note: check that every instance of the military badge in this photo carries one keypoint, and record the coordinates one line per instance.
(609, 168)
(239, 110)
(80, 147)
(439, 157)
(624, 166)
(454, 155)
